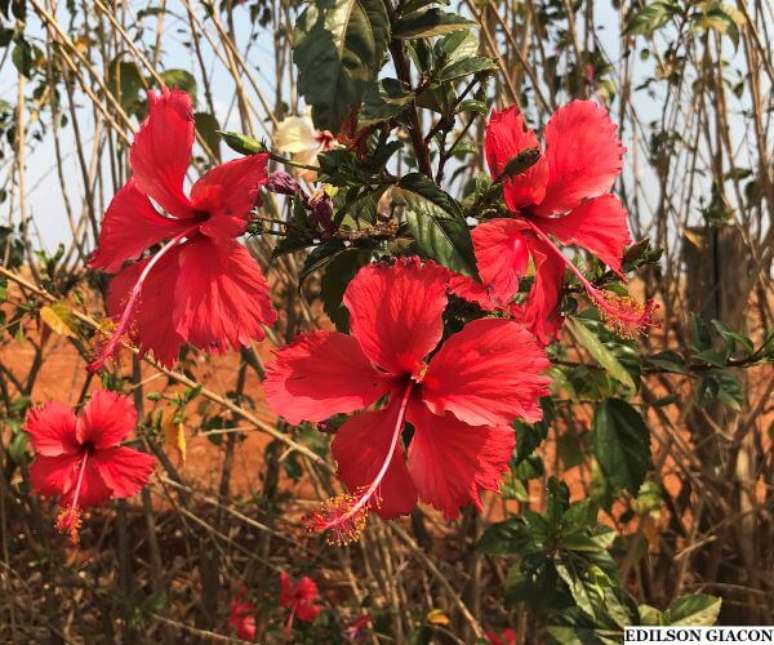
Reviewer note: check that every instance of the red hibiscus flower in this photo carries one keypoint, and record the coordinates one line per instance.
(242, 616)
(300, 597)
(505, 637)
(80, 460)
(563, 196)
(459, 404)
(201, 287)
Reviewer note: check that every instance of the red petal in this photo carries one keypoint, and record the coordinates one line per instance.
(502, 256)
(151, 326)
(221, 298)
(584, 156)
(287, 590)
(51, 476)
(228, 193)
(540, 311)
(506, 136)
(598, 225)
(93, 490)
(106, 420)
(490, 373)
(52, 429)
(130, 226)
(306, 594)
(395, 312)
(321, 374)
(451, 462)
(360, 448)
(161, 152)
(124, 470)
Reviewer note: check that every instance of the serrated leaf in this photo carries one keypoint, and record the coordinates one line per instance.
(697, 609)
(427, 24)
(650, 18)
(436, 223)
(383, 100)
(338, 47)
(600, 353)
(621, 443)
(59, 318)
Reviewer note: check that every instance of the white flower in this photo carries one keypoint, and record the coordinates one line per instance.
(297, 136)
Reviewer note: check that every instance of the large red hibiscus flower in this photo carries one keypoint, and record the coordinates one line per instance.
(460, 402)
(563, 197)
(79, 459)
(201, 287)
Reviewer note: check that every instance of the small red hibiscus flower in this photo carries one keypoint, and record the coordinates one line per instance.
(201, 287)
(505, 637)
(80, 459)
(300, 597)
(563, 196)
(242, 616)
(460, 403)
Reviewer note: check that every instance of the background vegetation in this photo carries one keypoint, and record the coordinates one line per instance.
(645, 497)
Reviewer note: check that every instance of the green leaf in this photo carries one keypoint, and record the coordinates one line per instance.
(432, 22)
(208, 128)
(600, 353)
(338, 274)
(650, 18)
(17, 448)
(125, 83)
(732, 337)
(621, 443)
(466, 67)
(436, 223)
(25, 57)
(697, 609)
(338, 47)
(383, 100)
(182, 80)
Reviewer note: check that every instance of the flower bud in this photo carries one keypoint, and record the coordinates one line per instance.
(282, 183)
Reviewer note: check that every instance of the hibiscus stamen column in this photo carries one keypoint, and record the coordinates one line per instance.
(626, 316)
(69, 520)
(110, 347)
(345, 515)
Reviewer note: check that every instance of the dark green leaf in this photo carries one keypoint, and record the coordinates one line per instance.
(338, 274)
(436, 223)
(621, 442)
(466, 67)
(697, 609)
(338, 47)
(208, 128)
(125, 82)
(600, 353)
(383, 100)
(432, 22)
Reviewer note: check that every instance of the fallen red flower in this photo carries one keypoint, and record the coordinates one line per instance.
(300, 597)
(242, 616)
(80, 459)
(201, 287)
(563, 196)
(460, 403)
